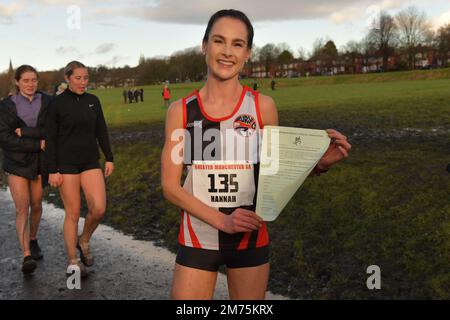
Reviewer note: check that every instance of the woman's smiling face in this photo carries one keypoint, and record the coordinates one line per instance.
(227, 48)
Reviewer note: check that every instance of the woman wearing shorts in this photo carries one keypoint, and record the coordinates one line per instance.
(22, 118)
(217, 200)
(75, 127)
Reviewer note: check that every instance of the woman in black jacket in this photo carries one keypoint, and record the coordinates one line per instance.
(22, 119)
(75, 127)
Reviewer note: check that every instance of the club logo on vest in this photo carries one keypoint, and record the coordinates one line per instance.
(245, 124)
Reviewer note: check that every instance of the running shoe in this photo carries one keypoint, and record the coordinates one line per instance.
(36, 252)
(85, 254)
(28, 265)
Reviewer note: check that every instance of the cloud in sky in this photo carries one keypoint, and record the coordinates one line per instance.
(69, 50)
(7, 11)
(105, 48)
(197, 11)
(102, 49)
(115, 60)
(62, 2)
(441, 20)
(113, 30)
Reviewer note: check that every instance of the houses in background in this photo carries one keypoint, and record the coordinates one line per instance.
(348, 63)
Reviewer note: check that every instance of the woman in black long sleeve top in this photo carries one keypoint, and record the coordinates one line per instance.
(75, 127)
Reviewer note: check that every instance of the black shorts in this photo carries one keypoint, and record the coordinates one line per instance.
(78, 168)
(211, 260)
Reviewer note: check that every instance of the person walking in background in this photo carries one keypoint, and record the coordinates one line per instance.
(255, 85)
(125, 95)
(75, 127)
(166, 96)
(136, 95)
(130, 96)
(142, 94)
(22, 119)
(272, 84)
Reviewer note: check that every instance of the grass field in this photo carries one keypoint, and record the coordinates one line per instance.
(387, 205)
(376, 100)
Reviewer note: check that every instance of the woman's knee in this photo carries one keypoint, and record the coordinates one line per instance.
(36, 208)
(22, 211)
(97, 212)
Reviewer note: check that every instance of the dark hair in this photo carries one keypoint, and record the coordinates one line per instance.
(230, 13)
(71, 66)
(22, 69)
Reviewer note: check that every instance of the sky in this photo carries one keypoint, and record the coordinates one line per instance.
(49, 33)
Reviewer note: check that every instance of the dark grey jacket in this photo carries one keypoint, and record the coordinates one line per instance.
(22, 156)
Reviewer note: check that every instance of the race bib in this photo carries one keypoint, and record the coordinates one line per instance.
(223, 184)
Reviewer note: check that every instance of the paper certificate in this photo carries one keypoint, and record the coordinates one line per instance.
(288, 156)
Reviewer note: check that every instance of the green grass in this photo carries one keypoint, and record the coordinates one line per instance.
(363, 78)
(384, 206)
(118, 113)
(370, 103)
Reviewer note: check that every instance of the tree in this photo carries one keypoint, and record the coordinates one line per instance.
(152, 71)
(187, 64)
(101, 73)
(48, 80)
(325, 52)
(255, 54)
(302, 55)
(5, 82)
(330, 49)
(283, 46)
(383, 35)
(368, 50)
(351, 52)
(267, 56)
(353, 47)
(442, 43)
(318, 45)
(141, 59)
(253, 61)
(413, 30)
(285, 57)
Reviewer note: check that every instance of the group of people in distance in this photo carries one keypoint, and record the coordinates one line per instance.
(133, 95)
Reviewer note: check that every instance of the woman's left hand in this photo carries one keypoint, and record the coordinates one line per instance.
(109, 168)
(337, 151)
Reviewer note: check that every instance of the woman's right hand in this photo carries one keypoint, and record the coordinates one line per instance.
(55, 179)
(242, 220)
